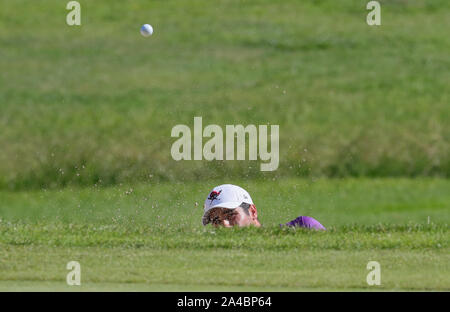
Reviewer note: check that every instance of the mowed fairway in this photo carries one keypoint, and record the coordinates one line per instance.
(149, 237)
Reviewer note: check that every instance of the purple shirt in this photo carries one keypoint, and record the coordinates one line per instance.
(305, 222)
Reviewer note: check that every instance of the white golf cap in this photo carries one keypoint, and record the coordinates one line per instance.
(227, 196)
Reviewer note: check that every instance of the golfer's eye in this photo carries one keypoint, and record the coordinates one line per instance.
(230, 220)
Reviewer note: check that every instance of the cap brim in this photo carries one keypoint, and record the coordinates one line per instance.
(227, 205)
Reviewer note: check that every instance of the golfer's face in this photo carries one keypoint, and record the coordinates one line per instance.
(244, 219)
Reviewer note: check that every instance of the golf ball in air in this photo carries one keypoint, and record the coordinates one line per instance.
(146, 30)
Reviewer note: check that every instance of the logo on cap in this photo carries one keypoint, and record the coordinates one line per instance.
(213, 195)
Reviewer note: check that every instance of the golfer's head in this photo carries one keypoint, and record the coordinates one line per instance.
(229, 205)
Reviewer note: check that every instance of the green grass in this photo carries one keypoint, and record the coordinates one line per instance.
(334, 202)
(97, 102)
(225, 269)
(150, 238)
